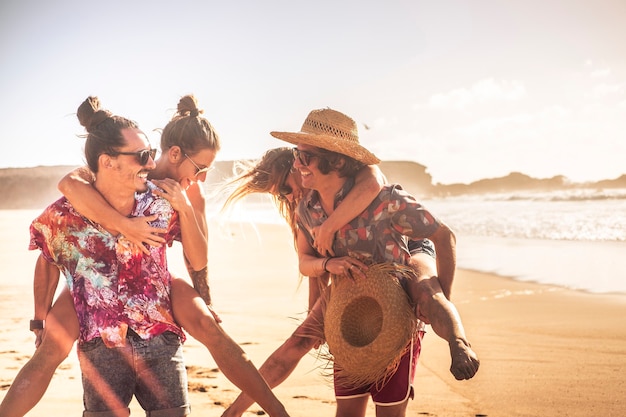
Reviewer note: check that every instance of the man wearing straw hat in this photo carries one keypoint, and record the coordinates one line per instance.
(372, 332)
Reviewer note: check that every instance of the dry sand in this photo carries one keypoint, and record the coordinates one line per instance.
(544, 351)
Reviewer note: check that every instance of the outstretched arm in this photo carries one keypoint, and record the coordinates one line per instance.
(77, 187)
(366, 187)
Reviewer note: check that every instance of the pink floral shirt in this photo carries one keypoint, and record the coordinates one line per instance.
(114, 285)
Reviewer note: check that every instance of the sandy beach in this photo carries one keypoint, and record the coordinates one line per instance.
(544, 350)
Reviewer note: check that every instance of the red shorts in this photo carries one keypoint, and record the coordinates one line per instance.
(399, 386)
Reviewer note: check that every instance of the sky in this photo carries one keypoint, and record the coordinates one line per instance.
(470, 89)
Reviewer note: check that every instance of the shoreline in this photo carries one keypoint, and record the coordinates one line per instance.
(544, 350)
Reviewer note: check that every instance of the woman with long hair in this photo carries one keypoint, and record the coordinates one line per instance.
(274, 174)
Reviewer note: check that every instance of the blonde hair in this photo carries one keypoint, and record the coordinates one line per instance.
(264, 176)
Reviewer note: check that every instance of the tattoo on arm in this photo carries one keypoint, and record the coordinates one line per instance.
(200, 280)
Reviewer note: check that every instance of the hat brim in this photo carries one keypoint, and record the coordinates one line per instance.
(375, 360)
(330, 143)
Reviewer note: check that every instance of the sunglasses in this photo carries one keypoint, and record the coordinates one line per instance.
(284, 189)
(199, 171)
(142, 156)
(304, 157)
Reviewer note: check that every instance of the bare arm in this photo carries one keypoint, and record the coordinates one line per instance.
(77, 187)
(200, 278)
(368, 183)
(45, 283)
(312, 266)
(314, 291)
(445, 246)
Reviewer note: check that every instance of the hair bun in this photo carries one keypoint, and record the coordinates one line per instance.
(188, 106)
(90, 114)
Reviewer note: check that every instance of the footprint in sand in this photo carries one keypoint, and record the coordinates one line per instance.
(197, 371)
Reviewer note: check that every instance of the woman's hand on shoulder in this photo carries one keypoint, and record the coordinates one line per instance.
(138, 231)
(172, 191)
(323, 240)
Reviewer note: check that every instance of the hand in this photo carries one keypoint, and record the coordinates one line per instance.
(173, 192)
(216, 316)
(138, 231)
(323, 240)
(465, 362)
(38, 336)
(348, 266)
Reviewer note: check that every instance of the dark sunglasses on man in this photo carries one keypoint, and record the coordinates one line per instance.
(304, 157)
(143, 156)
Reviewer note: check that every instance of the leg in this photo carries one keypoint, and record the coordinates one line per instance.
(108, 378)
(192, 314)
(161, 377)
(281, 363)
(397, 410)
(442, 315)
(352, 407)
(31, 382)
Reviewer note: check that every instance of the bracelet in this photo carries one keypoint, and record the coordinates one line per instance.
(324, 264)
(36, 325)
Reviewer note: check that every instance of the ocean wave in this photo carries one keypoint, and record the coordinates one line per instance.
(555, 195)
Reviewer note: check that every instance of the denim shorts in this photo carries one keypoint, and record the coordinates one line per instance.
(151, 370)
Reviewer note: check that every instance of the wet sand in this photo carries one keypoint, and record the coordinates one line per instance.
(544, 350)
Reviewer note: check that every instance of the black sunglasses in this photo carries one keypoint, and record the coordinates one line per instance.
(304, 157)
(284, 189)
(142, 156)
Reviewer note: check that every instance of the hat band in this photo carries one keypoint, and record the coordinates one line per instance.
(321, 127)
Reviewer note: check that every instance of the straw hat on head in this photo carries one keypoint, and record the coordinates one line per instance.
(368, 324)
(331, 130)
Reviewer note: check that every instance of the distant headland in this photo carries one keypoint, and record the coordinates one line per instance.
(34, 188)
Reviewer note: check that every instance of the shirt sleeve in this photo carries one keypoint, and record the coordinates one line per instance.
(38, 232)
(409, 217)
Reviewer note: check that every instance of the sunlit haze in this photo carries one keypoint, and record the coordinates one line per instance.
(470, 89)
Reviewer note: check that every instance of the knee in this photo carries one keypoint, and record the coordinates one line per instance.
(203, 328)
(425, 288)
(52, 351)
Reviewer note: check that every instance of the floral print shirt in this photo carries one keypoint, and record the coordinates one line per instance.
(115, 286)
(378, 234)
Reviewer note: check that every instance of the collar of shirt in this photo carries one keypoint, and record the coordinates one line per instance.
(313, 197)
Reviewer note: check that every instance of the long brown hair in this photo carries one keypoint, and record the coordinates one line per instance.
(263, 176)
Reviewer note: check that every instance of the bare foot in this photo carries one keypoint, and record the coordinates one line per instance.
(465, 362)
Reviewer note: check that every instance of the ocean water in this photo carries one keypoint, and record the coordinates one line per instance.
(574, 239)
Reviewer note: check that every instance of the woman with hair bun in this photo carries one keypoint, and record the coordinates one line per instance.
(189, 145)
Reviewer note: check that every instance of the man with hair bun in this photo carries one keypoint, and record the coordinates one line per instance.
(129, 343)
